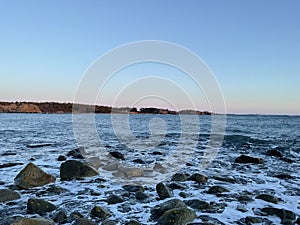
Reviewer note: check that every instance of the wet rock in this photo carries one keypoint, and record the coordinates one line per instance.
(163, 191)
(140, 195)
(250, 220)
(288, 160)
(76, 215)
(128, 171)
(133, 188)
(39, 206)
(245, 198)
(28, 221)
(227, 179)
(209, 220)
(157, 153)
(179, 177)
(117, 155)
(55, 189)
(248, 159)
(175, 186)
(274, 152)
(111, 166)
(60, 217)
(32, 176)
(109, 222)
(84, 221)
(287, 222)
(284, 176)
(6, 165)
(100, 212)
(61, 158)
(158, 210)
(114, 199)
(160, 168)
(267, 198)
(73, 169)
(298, 220)
(7, 195)
(197, 204)
(132, 222)
(217, 190)
(138, 161)
(77, 153)
(199, 178)
(38, 145)
(241, 209)
(281, 213)
(177, 216)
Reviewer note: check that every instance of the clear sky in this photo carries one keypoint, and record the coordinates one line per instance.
(252, 47)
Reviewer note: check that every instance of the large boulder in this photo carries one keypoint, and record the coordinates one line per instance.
(39, 206)
(281, 213)
(158, 210)
(163, 191)
(7, 195)
(28, 221)
(100, 212)
(248, 159)
(73, 169)
(177, 216)
(32, 176)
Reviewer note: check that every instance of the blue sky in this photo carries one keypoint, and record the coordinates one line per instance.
(252, 47)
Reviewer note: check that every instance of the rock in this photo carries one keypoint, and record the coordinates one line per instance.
(177, 216)
(111, 166)
(217, 190)
(241, 209)
(199, 178)
(7, 195)
(77, 153)
(140, 195)
(84, 221)
(163, 191)
(250, 220)
(175, 186)
(76, 215)
(248, 159)
(73, 169)
(61, 158)
(245, 198)
(109, 222)
(32, 176)
(274, 152)
(132, 222)
(207, 220)
(287, 222)
(226, 179)
(267, 198)
(288, 160)
(138, 161)
(160, 168)
(179, 177)
(114, 199)
(38, 145)
(55, 189)
(284, 176)
(39, 206)
(298, 220)
(60, 217)
(117, 155)
(158, 210)
(157, 153)
(128, 171)
(28, 221)
(281, 213)
(6, 165)
(197, 204)
(100, 212)
(133, 188)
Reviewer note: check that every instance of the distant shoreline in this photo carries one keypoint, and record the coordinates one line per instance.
(67, 108)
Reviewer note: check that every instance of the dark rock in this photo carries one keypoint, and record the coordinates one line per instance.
(217, 190)
(245, 198)
(55, 189)
(208, 220)
(288, 160)
(32, 176)
(117, 155)
(132, 222)
(298, 220)
(250, 220)
(76, 215)
(84, 221)
(267, 198)
(6, 165)
(27, 221)
(287, 222)
(114, 199)
(179, 177)
(39, 206)
(140, 195)
(248, 159)
(158, 210)
(73, 169)
(60, 217)
(109, 222)
(38, 145)
(138, 161)
(163, 191)
(7, 153)
(175, 186)
(241, 209)
(100, 212)
(274, 152)
(197, 204)
(183, 195)
(284, 176)
(177, 216)
(7, 195)
(157, 153)
(133, 188)
(61, 158)
(281, 213)
(77, 153)
(226, 179)
(199, 178)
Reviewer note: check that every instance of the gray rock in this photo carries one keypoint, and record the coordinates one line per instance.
(28, 221)
(140, 195)
(7, 195)
(77, 153)
(60, 217)
(114, 199)
(248, 159)
(132, 222)
(245, 198)
(158, 210)
(100, 212)
(133, 188)
(267, 198)
(199, 178)
(73, 169)
(217, 190)
(163, 191)
(61, 158)
(281, 213)
(250, 220)
(84, 221)
(39, 206)
(177, 216)
(32, 176)
(197, 204)
(179, 177)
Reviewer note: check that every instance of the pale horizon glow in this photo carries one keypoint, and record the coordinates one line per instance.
(252, 47)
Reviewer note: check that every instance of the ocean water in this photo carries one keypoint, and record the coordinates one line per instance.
(137, 137)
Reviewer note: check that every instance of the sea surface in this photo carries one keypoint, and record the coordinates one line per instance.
(251, 135)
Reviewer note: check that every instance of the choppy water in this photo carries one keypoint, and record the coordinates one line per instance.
(251, 135)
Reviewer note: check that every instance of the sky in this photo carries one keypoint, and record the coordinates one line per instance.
(251, 47)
